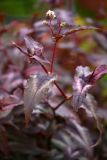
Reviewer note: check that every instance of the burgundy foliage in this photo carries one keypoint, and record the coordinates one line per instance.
(48, 107)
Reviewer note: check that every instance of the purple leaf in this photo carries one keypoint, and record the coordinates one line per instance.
(7, 104)
(83, 81)
(33, 50)
(33, 47)
(80, 86)
(36, 90)
(98, 73)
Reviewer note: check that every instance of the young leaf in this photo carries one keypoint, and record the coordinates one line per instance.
(80, 86)
(83, 81)
(8, 104)
(32, 50)
(36, 89)
(98, 73)
(33, 47)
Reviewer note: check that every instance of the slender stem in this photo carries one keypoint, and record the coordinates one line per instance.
(44, 68)
(62, 102)
(21, 50)
(59, 25)
(46, 71)
(53, 57)
(61, 91)
(91, 77)
(81, 28)
(25, 53)
(50, 27)
(55, 44)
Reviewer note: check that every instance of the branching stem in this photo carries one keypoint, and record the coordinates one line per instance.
(61, 91)
(44, 68)
(62, 102)
(50, 27)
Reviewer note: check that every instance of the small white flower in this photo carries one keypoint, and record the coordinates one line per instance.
(50, 14)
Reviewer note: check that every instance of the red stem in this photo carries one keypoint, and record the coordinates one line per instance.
(55, 44)
(63, 101)
(61, 91)
(53, 57)
(51, 29)
(46, 71)
(44, 68)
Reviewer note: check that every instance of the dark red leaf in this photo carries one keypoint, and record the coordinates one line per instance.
(36, 90)
(98, 73)
(33, 47)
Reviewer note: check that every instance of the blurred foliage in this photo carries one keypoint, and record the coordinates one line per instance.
(96, 9)
(45, 138)
(21, 8)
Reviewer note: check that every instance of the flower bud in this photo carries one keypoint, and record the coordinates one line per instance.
(50, 14)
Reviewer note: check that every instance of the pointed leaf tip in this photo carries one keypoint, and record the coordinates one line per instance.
(36, 89)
